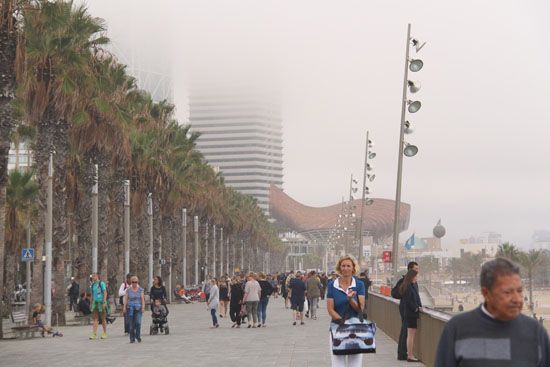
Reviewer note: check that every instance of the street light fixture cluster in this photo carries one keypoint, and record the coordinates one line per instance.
(406, 149)
(365, 200)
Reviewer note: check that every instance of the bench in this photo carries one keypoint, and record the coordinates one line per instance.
(21, 329)
(82, 319)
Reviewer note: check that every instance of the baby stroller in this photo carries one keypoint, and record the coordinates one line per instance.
(159, 320)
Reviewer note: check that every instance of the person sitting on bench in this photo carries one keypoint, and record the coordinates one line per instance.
(37, 310)
(84, 304)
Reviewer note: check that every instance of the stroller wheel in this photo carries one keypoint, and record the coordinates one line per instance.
(151, 330)
(166, 330)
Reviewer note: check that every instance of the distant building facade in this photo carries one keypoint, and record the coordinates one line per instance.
(241, 135)
(20, 157)
(486, 244)
(541, 240)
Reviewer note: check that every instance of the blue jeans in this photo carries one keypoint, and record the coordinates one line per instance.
(214, 318)
(262, 309)
(135, 324)
(126, 323)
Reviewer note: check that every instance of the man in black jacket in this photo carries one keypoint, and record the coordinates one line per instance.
(402, 345)
(73, 291)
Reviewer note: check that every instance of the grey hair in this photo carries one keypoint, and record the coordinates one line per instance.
(494, 268)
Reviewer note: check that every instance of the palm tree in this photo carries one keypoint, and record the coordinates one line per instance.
(59, 39)
(531, 261)
(429, 265)
(21, 193)
(8, 51)
(508, 251)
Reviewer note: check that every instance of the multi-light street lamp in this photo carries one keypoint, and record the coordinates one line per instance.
(369, 154)
(406, 149)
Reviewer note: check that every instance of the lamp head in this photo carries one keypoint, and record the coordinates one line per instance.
(415, 65)
(371, 177)
(414, 106)
(408, 129)
(410, 150)
(413, 86)
(417, 44)
(372, 155)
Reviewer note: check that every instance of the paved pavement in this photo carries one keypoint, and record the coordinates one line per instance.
(192, 343)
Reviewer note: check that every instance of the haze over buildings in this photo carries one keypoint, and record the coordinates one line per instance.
(483, 129)
(241, 135)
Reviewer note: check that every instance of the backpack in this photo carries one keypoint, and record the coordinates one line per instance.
(395, 293)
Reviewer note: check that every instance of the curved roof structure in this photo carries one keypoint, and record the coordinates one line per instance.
(377, 218)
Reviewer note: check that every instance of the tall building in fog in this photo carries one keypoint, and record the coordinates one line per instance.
(241, 134)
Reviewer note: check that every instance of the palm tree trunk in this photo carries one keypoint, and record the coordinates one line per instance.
(52, 137)
(60, 232)
(8, 47)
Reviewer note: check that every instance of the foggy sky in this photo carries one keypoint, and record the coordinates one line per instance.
(483, 129)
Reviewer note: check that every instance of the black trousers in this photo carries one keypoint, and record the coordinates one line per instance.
(234, 313)
(402, 345)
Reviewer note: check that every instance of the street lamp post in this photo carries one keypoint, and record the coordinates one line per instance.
(405, 148)
(232, 256)
(48, 245)
(214, 250)
(95, 211)
(184, 247)
(127, 227)
(242, 255)
(206, 251)
(221, 251)
(196, 249)
(150, 215)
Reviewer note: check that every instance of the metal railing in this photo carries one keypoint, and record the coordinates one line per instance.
(384, 311)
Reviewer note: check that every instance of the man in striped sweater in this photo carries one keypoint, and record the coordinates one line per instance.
(495, 333)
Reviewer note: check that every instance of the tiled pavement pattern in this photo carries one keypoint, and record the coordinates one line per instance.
(192, 343)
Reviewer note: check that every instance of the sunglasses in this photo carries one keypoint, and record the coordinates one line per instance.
(134, 282)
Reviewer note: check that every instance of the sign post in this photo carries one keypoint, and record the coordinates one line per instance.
(27, 256)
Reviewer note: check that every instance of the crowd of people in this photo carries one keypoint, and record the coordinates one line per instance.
(495, 331)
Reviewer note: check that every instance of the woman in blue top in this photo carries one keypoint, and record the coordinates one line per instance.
(346, 293)
(134, 306)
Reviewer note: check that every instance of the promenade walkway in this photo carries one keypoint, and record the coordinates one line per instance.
(192, 343)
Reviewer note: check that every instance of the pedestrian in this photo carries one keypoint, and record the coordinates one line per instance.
(98, 306)
(496, 332)
(367, 283)
(214, 301)
(134, 307)
(297, 288)
(206, 288)
(73, 293)
(236, 299)
(345, 297)
(252, 294)
(324, 280)
(289, 277)
(266, 290)
(224, 296)
(84, 304)
(284, 290)
(39, 309)
(411, 311)
(272, 279)
(121, 293)
(402, 344)
(313, 292)
(158, 291)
